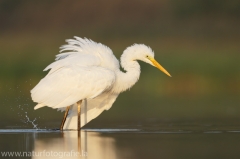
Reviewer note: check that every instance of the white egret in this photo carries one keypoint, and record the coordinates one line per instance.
(88, 73)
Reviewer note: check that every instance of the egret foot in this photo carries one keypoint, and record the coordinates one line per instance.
(64, 118)
(79, 114)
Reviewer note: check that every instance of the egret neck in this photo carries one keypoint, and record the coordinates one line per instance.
(125, 80)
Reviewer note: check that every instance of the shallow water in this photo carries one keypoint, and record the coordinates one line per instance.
(171, 142)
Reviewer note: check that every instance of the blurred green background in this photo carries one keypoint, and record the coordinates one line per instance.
(197, 41)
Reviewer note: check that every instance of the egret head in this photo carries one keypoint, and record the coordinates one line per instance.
(144, 53)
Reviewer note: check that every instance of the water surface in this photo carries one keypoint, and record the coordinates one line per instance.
(171, 142)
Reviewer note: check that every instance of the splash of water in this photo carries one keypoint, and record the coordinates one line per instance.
(31, 121)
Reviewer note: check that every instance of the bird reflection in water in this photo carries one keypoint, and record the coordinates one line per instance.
(74, 144)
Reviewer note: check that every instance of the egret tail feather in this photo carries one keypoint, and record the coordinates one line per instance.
(39, 106)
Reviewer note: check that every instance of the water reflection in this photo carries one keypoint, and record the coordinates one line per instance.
(197, 143)
(73, 144)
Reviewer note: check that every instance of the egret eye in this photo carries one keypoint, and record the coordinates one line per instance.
(147, 56)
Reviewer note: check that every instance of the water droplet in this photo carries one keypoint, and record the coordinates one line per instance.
(31, 121)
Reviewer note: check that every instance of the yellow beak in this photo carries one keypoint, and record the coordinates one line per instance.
(156, 64)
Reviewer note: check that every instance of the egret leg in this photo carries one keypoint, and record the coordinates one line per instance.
(79, 141)
(79, 114)
(64, 118)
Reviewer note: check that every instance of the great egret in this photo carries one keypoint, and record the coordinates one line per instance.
(88, 72)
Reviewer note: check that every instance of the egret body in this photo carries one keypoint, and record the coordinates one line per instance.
(88, 73)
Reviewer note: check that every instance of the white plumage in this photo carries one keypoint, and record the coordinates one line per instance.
(88, 71)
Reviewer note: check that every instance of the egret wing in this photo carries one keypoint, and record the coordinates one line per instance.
(68, 85)
(89, 47)
(84, 60)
